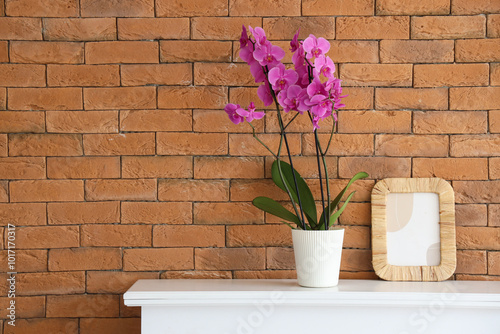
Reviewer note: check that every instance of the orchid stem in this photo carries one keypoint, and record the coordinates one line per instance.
(320, 179)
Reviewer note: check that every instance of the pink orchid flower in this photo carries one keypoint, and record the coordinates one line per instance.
(250, 114)
(259, 34)
(324, 66)
(290, 99)
(281, 78)
(264, 94)
(257, 72)
(294, 43)
(244, 37)
(268, 54)
(231, 110)
(315, 47)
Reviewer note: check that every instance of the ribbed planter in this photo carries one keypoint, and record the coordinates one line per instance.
(317, 257)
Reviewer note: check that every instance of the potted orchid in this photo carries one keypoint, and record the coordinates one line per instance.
(310, 90)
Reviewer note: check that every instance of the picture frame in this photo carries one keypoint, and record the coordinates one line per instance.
(413, 229)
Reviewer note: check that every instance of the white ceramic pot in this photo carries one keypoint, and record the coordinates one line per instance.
(317, 257)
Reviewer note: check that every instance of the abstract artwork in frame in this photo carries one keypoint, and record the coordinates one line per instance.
(413, 229)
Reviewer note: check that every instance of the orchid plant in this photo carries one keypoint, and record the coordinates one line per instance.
(309, 89)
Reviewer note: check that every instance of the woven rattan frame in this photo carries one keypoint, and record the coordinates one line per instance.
(447, 229)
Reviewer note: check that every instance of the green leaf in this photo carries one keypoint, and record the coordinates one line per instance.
(337, 213)
(269, 205)
(331, 207)
(306, 197)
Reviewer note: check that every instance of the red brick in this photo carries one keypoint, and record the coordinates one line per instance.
(156, 213)
(82, 121)
(22, 75)
(119, 144)
(217, 121)
(414, 146)
(477, 192)
(280, 258)
(265, 274)
(474, 98)
(22, 168)
(247, 190)
(156, 120)
(484, 238)
(119, 98)
(83, 75)
(46, 191)
(193, 190)
(121, 189)
(448, 122)
(192, 97)
(36, 237)
(42, 325)
(46, 52)
(358, 98)
(45, 99)
(50, 8)
(462, 277)
(306, 166)
(227, 213)
(15, 121)
(216, 74)
(165, 74)
(494, 116)
(356, 214)
(83, 213)
(258, 235)
(228, 167)
(122, 8)
(110, 326)
(451, 75)
(494, 168)
(121, 52)
(51, 283)
(192, 51)
(374, 121)
(16, 28)
(4, 51)
(85, 259)
(284, 28)
(153, 28)
(373, 27)
(247, 145)
(413, 51)
(409, 98)
(221, 28)
(358, 275)
(79, 29)
(363, 188)
(4, 191)
(471, 215)
(471, 262)
(21, 214)
(188, 236)
(495, 74)
(176, 143)
(493, 263)
(356, 260)
(493, 26)
(354, 51)
(83, 167)
(376, 74)
(26, 307)
(230, 258)
(139, 259)
(191, 274)
(337, 7)
(342, 144)
(45, 145)
(451, 168)
(475, 146)
(409, 7)
(83, 306)
(357, 237)
(477, 50)
(157, 167)
(265, 8)
(477, 7)
(117, 282)
(447, 27)
(179, 8)
(30, 260)
(244, 95)
(376, 167)
(116, 236)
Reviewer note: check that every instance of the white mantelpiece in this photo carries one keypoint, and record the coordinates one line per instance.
(281, 306)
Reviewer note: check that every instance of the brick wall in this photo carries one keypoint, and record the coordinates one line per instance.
(117, 162)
